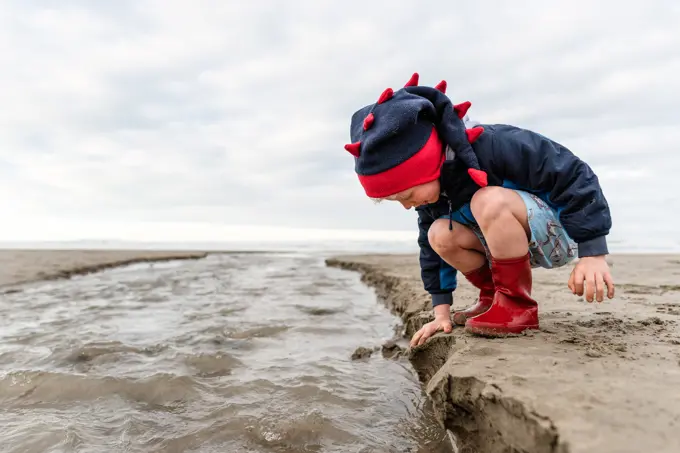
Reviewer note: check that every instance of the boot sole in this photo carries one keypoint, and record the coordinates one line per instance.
(495, 331)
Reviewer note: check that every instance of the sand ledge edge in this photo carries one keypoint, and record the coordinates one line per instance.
(475, 411)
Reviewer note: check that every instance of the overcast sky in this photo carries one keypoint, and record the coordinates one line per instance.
(228, 112)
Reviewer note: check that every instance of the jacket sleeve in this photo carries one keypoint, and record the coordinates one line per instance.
(439, 278)
(537, 163)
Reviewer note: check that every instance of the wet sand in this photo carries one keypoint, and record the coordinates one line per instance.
(23, 266)
(597, 377)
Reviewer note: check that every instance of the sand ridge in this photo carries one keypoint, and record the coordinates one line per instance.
(23, 266)
(597, 377)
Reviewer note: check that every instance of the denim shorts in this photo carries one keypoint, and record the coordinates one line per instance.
(549, 246)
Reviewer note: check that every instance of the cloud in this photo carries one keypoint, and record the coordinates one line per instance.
(236, 113)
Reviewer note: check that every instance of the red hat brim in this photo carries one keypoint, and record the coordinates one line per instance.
(421, 168)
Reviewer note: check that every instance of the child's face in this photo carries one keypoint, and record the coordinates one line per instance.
(418, 196)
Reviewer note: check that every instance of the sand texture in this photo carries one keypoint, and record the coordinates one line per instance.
(596, 378)
(22, 266)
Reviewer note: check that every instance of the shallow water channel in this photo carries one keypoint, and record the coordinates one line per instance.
(232, 353)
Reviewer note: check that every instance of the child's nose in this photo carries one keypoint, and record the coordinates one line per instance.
(406, 204)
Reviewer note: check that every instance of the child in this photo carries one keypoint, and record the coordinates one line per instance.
(493, 202)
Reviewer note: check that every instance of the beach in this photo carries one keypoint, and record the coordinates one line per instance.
(596, 377)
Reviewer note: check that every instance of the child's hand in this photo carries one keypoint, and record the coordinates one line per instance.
(442, 321)
(595, 271)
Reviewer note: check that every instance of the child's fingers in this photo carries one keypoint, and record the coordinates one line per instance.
(416, 337)
(610, 284)
(599, 293)
(578, 281)
(424, 337)
(570, 284)
(590, 287)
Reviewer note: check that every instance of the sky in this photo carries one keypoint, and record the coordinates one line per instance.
(184, 120)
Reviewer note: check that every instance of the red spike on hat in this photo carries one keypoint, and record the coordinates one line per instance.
(474, 133)
(461, 109)
(353, 148)
(479, 177)
(368, 121)
(413, 81)
(386, 95)
(441, 86)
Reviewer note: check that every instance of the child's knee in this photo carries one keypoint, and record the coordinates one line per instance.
(445, 241)
(491, 203)
(488, 203)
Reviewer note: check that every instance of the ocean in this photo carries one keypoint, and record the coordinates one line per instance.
(329, 242)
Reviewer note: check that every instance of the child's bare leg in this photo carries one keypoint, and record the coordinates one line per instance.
(459, 247)
(462, 249)
(502, 217)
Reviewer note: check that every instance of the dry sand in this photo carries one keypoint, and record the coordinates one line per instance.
(22, 266)
(596, 378)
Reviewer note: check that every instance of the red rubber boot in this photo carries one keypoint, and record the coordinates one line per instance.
(481, 278)
(513, 310)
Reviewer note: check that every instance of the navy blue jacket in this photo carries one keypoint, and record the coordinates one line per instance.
(519, 159)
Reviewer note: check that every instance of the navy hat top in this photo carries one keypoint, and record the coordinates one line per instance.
(398, 142)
